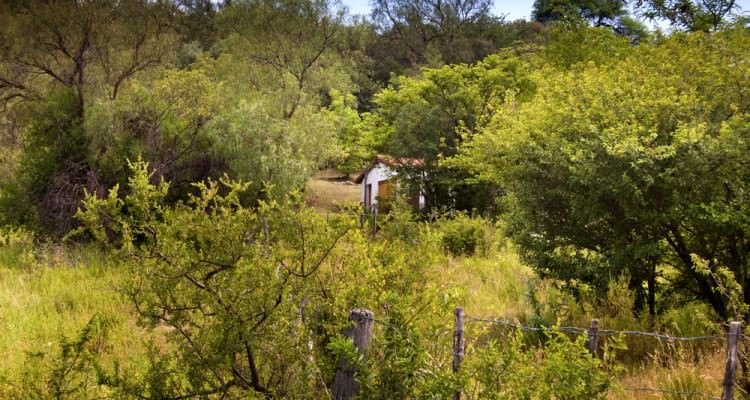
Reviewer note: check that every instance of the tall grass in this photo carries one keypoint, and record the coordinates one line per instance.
(491, 286)
(499, 285)
(50, 292)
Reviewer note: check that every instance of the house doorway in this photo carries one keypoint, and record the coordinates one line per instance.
(386, 191)
(368, 196)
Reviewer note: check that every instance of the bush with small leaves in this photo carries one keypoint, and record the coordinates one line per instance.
(562, 369)
(464, 235)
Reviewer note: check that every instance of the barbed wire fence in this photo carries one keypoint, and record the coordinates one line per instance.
(593, 333)
(365, 319)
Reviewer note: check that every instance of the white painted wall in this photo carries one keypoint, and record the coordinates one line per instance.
(380, 172)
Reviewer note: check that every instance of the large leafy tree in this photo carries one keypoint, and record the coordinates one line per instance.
(428, 118)
(577, 14)
(196, 22)
(116, 84)
(597, 12)
(637, 166)
(413, 34)
(704, 15)
(283, 59)
(92, 47)
(242, 293)
(288, 48)
(417, 25)
(167, 121)
(57, 59)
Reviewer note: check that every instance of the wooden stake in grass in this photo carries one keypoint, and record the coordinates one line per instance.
(344, 385)
(458, 344)
(265, 230)
(593, 336)
(730, 372)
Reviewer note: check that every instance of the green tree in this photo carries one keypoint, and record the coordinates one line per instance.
(352, 156)
(279, 155)
(415, 34)
(597, 12)
(246, 292)
(636, 165)
(582, 45)
(422, 26)
(288, 48)
(428, 118)
(283, 60)
(52, 167)
(704, 15)
(196, 22)
(168, 121)
(228, 290)
(92, 47)
(63, 57)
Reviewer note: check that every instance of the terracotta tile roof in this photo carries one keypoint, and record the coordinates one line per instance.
(389, 161)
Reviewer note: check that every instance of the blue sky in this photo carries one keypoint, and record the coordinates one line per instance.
(513, 9)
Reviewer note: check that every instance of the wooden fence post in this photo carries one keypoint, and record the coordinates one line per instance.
(458, 343)
(730, 371)
(374, 221)
(593, 336)
(344, 385)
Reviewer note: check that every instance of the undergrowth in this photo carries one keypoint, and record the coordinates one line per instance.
(62, 307)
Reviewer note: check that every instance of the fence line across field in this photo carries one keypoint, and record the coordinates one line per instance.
(361, 334)
(600, 332)
(695, 395)
(593, 332)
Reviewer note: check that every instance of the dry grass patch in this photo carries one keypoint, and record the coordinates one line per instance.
(493, 286)
(679, 376)
(45, 302)
(329, 196)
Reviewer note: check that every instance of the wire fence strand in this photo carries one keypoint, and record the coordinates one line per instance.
(699, 395)
(570, 329)
(600, 332)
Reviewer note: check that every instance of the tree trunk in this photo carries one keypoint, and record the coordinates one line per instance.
(652, 292)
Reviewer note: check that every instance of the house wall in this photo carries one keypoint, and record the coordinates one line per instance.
(379, 172)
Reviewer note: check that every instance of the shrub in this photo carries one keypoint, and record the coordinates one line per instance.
(68, 370)
(236, 296)
(464, 235)
(400, 223)
(16, 247)
(562, 369)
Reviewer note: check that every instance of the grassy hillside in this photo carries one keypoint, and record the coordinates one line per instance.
(327, 192)
(48, 293)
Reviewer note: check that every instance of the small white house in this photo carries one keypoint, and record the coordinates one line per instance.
(379, 182)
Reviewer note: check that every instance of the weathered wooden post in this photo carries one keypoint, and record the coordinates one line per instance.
(344, 385)
(374, 221)
(265, 229)
(303, 320)
(593, 336)
(730, 371)
(458, 343)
